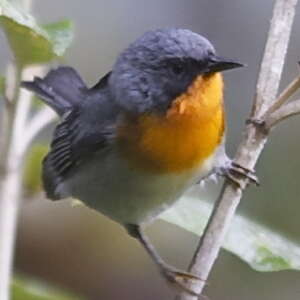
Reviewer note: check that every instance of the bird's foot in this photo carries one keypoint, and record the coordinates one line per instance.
(176, 278)
(235, 172)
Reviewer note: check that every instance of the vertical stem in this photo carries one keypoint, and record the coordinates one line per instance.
(13, 78)
(275, 51)
(14, 117)
(10, 188)
(9, 204)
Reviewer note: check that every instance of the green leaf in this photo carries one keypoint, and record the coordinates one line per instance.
(2, 86)
(32, 290)
(33, 165)
(262, 248)
(60, 34)
(30, 42)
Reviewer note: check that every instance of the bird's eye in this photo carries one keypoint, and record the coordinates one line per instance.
(177, 68)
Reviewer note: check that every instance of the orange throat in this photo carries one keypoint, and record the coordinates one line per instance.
(185, 136)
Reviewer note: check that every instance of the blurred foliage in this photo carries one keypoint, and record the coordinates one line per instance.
(261, 248)
(30, 42)
(32, 290)
(2, 85)
(33, 166)
(37, 103)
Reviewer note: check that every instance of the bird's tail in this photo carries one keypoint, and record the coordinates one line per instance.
(61, 89)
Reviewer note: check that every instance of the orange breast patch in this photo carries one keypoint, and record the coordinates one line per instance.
(182, 139)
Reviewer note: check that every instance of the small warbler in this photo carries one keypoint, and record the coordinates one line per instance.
(131, 145)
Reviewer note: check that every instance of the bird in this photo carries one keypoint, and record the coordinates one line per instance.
(152, 127)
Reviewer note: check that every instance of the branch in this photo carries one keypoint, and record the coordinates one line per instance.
(284, 112)
(279, 111)
(274, 56)
(14, 115)
(10, 190)
(13, 77)
(251, 146)
(285, 95)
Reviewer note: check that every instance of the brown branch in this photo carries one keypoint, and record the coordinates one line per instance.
(251, 146)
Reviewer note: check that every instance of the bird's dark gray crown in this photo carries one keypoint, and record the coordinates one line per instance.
(158, 67)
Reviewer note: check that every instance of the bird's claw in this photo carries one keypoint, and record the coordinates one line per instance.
(235, 172)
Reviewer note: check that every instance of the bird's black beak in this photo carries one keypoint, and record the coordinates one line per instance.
(218, 64)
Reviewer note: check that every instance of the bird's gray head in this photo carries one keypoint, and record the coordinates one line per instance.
(159, 66)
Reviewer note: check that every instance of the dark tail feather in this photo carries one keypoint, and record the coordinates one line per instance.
(61, 89)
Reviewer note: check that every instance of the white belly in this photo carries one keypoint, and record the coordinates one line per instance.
(126, 195)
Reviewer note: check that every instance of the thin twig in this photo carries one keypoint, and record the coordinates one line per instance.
(285, 95)
(284, 112)
(251, 146)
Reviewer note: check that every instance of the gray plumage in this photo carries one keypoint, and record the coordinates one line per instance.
(145, 75)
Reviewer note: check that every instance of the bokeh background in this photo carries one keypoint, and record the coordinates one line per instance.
(81, 251)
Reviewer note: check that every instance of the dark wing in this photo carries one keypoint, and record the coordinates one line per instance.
(60, 158)
(83, 131)
(73, 142)
(87, 124)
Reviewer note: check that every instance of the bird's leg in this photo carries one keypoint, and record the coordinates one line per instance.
(173, 276)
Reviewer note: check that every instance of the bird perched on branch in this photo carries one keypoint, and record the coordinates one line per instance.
(130, 146)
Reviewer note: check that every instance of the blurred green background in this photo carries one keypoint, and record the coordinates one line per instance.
(81, 251)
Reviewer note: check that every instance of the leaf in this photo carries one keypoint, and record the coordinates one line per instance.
(60, 34)
(32, 290)
(2, 86)
(30, 42)
(33, 166)
(262, 248)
